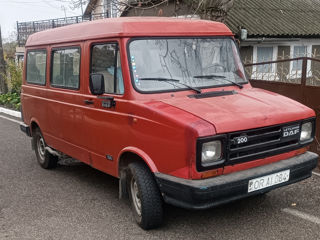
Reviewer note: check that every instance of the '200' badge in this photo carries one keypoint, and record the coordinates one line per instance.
(240, 140)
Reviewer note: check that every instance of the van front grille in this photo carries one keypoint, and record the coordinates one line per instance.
(261, 142)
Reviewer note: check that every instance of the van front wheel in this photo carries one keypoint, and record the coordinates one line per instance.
(45, 159)
(145, 197)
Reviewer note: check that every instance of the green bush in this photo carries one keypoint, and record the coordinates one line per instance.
(14, 80)
(10, 100)
(14, 77)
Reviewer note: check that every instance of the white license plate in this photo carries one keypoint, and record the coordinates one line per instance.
(269, 180)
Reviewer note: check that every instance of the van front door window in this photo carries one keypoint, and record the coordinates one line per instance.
(106, 60)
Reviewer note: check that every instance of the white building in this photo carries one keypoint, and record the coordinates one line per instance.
(102, 9)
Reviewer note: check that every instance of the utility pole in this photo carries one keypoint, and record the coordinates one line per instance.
(3, 83)
(65, 13)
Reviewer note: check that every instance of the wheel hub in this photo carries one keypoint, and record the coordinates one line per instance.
(135, 196)
(41, 149)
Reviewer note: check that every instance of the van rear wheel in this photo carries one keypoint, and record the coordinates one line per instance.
(145, 197)
(45, 159)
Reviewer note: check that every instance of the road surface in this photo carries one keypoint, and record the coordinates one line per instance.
(76, 201)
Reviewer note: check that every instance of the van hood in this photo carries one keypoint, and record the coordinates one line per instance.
(247, 109)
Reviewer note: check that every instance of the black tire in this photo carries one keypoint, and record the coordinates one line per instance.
(45, 159)
(151, 204)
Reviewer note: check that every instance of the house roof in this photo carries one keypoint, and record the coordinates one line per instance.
(276, 18)
(129, 27)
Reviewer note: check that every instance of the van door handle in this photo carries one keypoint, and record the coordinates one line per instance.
(88, 102)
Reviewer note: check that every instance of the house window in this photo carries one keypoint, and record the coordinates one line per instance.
(297, 51)
(264, 54)
(265, 71)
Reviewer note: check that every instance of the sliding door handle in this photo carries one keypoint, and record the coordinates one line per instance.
(88, 102)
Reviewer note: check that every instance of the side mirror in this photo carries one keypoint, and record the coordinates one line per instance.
(96, 83)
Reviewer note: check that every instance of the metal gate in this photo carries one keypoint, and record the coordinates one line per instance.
(297, 78)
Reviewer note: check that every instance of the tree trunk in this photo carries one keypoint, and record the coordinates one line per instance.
(3, 83)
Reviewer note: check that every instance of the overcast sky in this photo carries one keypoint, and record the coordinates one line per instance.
(12, 11)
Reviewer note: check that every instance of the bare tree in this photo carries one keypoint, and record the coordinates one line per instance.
(75, 4)
(205, 9)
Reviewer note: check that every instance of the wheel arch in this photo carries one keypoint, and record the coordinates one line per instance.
(133, 154)
(129, 155)
(34, 124)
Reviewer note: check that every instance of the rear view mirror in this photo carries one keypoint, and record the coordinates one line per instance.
(97, 83)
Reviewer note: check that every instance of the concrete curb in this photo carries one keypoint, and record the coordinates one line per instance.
(10, 112)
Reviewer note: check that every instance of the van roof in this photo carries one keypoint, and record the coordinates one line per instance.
(129, 27)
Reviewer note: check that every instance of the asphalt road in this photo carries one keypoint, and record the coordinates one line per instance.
(75, 201)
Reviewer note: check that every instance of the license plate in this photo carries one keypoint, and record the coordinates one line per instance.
(267, 181)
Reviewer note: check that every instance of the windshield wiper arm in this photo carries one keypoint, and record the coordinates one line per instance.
(217, 76)
(171, 80)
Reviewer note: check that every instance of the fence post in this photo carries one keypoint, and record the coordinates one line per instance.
(304, 79)
(304, 71)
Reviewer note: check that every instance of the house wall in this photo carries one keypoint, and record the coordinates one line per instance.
(282, 50)
(246, 56)
(315, 66)
(283, 68)
(98, 8)
(106, 6)
(283, 47)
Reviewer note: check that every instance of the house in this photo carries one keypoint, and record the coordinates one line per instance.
(266, 30)
(19, 55)
(215, 10)
(106, 8)
(274, 30)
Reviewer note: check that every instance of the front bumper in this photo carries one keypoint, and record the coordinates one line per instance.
(26, 129)
(202, 194)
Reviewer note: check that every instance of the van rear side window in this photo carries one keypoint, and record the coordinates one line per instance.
(65, 71)
(36, 67)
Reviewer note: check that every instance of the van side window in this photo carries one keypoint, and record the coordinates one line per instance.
(65, 71)
(36, 67)
(106, 60)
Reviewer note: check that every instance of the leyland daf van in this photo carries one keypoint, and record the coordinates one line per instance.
(164, 105)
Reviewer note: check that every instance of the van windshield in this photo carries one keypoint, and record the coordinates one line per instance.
(160, 64)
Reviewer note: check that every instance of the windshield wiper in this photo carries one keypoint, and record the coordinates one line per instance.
(171, 80)
(217, 76)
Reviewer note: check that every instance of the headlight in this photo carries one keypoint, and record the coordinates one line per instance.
(306, 131)
(211, 152)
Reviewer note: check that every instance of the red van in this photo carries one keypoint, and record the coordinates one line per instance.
(164, 105)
